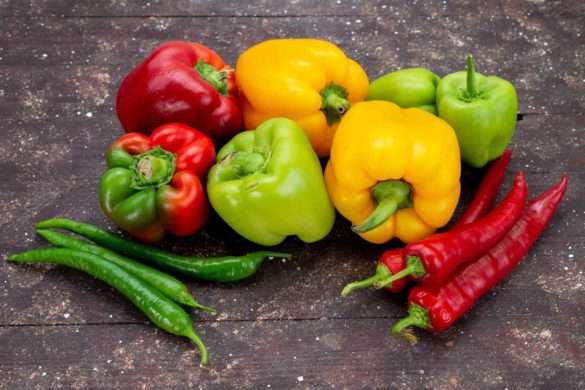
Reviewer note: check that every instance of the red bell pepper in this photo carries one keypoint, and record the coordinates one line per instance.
(154, 183)
(437, 308)
(181, 82)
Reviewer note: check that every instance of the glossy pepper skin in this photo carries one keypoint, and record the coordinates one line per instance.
(432, 260)
(153, 183)
(268, 184)
(437, 308)
(183, 82)
(307, 80)
(481, 109)
(409, 87)
(394, 171)
(487, 191)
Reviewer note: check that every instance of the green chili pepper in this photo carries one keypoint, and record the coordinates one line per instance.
(214, 269)
(163, 312)
(167, 284)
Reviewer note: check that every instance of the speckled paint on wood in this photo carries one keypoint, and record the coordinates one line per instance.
(286, 327)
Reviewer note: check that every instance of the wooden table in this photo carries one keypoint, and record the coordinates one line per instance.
(287, 327)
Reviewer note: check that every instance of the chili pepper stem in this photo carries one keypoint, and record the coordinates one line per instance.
(382, 274)
(191, 335)
(389, 196)
(471, 91)
(414, 267)
(417, 316)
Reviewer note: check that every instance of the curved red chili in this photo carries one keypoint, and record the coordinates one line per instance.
(487, 191)
(433, 259)
(437, 308)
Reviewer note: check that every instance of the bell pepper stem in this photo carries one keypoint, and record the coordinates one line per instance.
(389, 196)
(471, 90)
(240, 164)
(152, 169)
(417, 316)
(216, 78)
(382, 274)
(414, 267)
(334, 102)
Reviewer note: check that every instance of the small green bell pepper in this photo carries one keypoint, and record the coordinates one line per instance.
(267, 184)
(482, 110)
(410, 87)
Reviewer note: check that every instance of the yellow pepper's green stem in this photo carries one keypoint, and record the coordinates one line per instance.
(389, 196)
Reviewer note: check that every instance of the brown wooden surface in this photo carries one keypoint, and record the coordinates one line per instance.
(60, 64)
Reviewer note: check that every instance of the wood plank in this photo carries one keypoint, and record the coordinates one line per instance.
(485, 352)
(529, 51)
(272, 8)
(276, 8)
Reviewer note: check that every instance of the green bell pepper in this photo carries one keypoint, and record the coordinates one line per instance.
(410, 87)
(267, 184)
(482, 110)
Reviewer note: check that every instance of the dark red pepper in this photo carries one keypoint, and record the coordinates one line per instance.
(487, 191)
(437, 308)
(181, 82)
(433, 259)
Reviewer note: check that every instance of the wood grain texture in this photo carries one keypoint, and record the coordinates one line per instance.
(287, 327)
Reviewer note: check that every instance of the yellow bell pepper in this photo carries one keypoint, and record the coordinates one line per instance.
(307, 80)
(394, 172)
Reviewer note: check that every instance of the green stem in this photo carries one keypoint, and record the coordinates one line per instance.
(216, 78)
(389, 196)
(240, 164)
(152, 169)
(382, 274)
(414, 267)
(190, 333)
(471, 90)
(334, 102)
(417, 316)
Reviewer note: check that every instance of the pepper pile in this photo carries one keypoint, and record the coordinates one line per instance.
(395, 149)
(455, 268)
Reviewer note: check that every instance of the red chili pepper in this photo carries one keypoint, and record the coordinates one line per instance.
(433, 259)
(487, 191)
(437, 308)
(181, 82)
